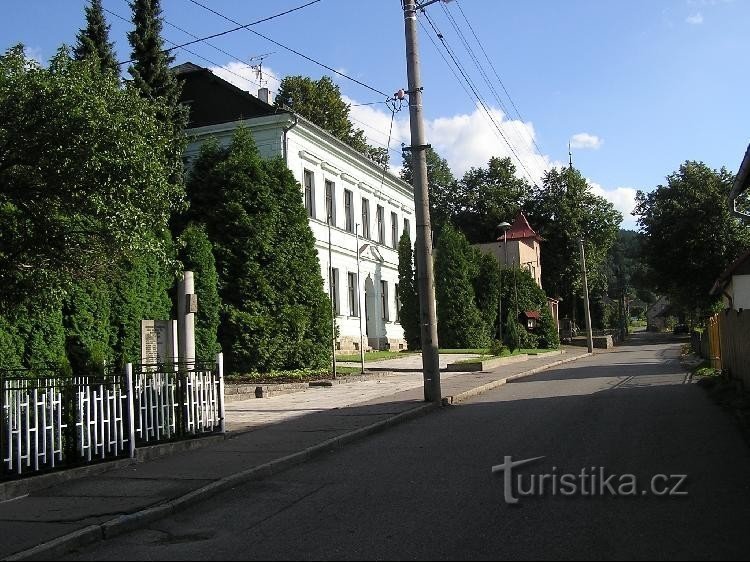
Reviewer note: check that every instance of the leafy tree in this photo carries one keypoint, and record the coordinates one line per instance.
(460, 323)
(442, 187)
(39, 326)
(93, 40)
(487, 290)
(275, 313)
(563, 209)
(407, 294)
(485, 197)
(520, 293)
(11, 345)
(86, 175)
(320, 102)
(196, 254)
(87, 323)
(549, 337)
(140, 292)
(512, 332)
(690, 235)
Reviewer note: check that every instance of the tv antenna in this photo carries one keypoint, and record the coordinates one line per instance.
(258, 67)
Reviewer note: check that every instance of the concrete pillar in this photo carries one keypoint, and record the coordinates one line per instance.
(187, 306)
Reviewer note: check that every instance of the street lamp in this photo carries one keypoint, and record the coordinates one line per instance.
(589, 337)
(334, 296)
(359, 302)
(503, 226)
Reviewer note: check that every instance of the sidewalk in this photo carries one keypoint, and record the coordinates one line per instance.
(267, 436)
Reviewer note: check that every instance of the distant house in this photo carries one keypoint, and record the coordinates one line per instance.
(740, 186)
(657, 314)
(520, 247)
(336, 181)
(523, 249)
(530, 319)
(733, 285)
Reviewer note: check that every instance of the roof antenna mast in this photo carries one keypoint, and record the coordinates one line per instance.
(570, 155)
(258, 68)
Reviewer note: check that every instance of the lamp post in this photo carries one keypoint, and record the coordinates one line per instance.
(359, 303)
(589, 334)
(503, 226)
(334, 297)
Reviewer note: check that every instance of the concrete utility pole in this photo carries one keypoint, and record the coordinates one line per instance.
(427, 312)
(589, 334)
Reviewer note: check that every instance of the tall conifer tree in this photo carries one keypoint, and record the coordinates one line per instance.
(94, 39)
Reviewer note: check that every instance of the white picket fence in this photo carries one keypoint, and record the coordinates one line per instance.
(52, 422)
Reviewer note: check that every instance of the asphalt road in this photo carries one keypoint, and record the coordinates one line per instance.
(425, 490)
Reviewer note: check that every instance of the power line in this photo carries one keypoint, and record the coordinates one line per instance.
(308, 58)
(523, 131)
(245, 26)
(492, 66)
(476, 94)
(209, 61)
(249, 80)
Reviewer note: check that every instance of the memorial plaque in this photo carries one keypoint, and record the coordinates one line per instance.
(157, 341)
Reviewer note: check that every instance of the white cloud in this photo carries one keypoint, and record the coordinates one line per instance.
(586, 140)
(34, 53)
(465, 140)
(695, 19)
(245, 77)
(623, 199)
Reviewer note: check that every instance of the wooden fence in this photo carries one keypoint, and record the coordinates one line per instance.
(729, 344)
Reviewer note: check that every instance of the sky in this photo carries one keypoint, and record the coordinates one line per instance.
(636, 87)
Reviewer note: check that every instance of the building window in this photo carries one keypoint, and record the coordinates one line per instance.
(349, 210)
(310, 193)
(381, 224)
(331, 202)
(335, 289)
(384, 298)
(352, 290)
(407, 227)
(394, 230)
(398, 303)
(365, 218)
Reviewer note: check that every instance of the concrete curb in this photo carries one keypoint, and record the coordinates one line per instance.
(129, 522)
(245, 391)
(460, 397)
(486, 365)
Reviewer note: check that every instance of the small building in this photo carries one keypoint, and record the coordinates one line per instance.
(530, 319)
(368, 208)
(518, 247)
(657, 314)
(733, 285)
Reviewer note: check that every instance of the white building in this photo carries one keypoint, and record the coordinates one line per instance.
(335, 180)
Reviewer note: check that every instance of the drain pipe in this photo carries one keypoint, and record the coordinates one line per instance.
(285, 143)
(740, 185)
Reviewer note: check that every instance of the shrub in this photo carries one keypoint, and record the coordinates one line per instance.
(196, 254)
(460, 323)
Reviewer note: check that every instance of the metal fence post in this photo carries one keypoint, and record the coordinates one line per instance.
(131, 408)
(220, 366)
(3, 425)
